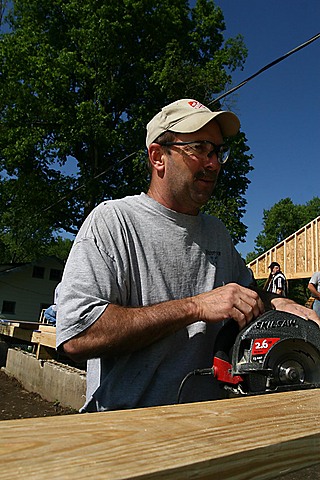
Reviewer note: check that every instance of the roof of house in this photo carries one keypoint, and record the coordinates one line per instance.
(6, 268)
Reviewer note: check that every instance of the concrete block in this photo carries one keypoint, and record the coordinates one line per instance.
(53, 381)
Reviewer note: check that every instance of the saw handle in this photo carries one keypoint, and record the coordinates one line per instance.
(226, 337)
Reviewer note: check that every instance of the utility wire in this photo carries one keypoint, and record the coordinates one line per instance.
(283, 57)
(74, 190)
(278, 60)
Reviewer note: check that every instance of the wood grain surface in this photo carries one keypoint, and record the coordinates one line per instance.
(257, 437)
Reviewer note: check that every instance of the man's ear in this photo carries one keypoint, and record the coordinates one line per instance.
(156, 157)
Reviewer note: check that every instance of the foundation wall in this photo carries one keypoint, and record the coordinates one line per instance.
(53, 381)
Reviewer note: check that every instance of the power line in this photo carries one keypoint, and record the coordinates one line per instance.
(74, 190)
(283, 57)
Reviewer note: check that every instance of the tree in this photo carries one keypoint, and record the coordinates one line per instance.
(283, 219)
(81, 80)
(22, 241)
(3, 5)
(228, 202)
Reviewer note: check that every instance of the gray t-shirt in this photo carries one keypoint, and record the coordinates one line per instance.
(136, 252)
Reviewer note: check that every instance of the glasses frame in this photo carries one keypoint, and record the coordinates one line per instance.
(222, 151)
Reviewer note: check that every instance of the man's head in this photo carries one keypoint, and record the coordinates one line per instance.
(188, 116)
(274, 267)
(186, 150)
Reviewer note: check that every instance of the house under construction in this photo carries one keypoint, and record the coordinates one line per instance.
(298, 254)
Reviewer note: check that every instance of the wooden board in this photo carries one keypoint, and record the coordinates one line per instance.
(15, 331)
(47, 328)
(20, 323)
(258, 437)
(48, 339)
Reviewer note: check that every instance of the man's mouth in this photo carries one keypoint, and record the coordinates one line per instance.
(205, 176)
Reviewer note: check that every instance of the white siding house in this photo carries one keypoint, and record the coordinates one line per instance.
(27, 288)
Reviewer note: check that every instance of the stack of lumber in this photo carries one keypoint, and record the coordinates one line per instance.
(40, 335)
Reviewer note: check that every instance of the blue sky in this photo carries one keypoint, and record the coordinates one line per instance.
(279, 109)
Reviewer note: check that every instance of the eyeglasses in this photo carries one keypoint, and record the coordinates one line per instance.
(204, 148)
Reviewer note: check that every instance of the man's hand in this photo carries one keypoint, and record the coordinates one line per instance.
(289, 306)
(229, 301)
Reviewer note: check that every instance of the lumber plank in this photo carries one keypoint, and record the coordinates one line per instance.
(258, 437)
(20, 323)
(47, 328)
(47, 339)
(45, 342)
(15, 331)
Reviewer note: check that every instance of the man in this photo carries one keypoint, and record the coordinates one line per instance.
(150, 280)
(314, 287)
(277, 282)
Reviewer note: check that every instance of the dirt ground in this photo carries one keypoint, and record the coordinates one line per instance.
(15, 402)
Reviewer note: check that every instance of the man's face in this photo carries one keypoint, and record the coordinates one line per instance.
(191, 178)
(275, 269)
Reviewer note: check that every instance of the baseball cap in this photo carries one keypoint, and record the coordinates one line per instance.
(274, 264)
(187, 116)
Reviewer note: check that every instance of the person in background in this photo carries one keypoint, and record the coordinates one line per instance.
(277, 282)
(150, 279)
(51, 312)
(314, 288)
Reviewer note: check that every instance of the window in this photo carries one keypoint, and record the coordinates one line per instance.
(38, 272)
(55, 274)
(8, 307)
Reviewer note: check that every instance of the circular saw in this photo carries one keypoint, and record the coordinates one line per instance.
(276, 352)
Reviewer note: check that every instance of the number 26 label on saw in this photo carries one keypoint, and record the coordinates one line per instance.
(262, 345)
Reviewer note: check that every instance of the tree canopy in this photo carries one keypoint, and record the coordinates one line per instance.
(281, 220)
(79, 81)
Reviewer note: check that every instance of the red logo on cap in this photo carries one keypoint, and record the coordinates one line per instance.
(195, 104)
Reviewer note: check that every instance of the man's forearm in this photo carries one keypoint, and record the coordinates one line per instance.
(121, 330)
(278, 302)
(314, 292)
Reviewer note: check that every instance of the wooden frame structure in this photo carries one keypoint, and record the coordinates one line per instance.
(298, 254)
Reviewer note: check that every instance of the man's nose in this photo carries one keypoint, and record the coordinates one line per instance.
(211, 162)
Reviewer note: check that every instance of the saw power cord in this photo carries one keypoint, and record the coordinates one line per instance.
(199, 371)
